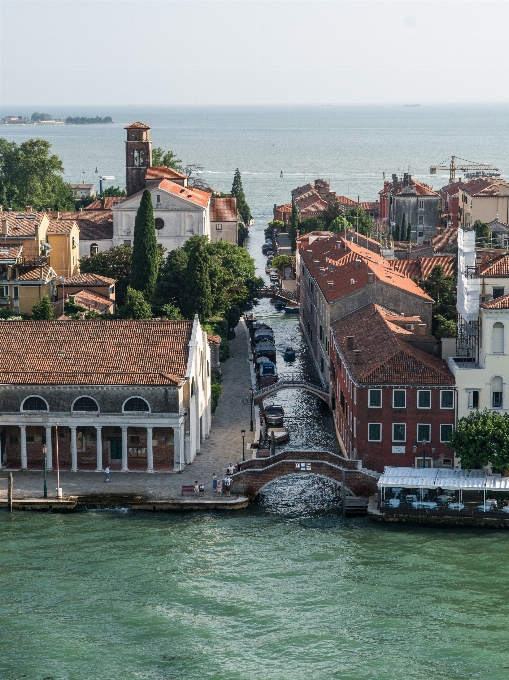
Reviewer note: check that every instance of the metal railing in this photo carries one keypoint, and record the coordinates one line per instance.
(294, 381)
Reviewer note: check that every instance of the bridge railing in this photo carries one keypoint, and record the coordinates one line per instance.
(293, 380)
(272, 291)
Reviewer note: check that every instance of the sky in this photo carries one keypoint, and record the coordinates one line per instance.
(245, 52)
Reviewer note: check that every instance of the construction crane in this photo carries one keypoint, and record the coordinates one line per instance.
(465, 167)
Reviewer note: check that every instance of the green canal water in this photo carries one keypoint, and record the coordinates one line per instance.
(285, 589)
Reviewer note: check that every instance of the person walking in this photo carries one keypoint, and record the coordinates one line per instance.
(107, 473)
(214, 483)
(227, 484)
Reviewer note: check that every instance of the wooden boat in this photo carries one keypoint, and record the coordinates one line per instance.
(268, 369)
(281, 434)
(266, 348)
(289, 354)
(292, 310)
(274, 414)
(279, 305)
(266, 247)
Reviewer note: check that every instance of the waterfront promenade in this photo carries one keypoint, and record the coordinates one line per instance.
(220, 449)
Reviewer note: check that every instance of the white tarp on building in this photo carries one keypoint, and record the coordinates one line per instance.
(435, 478)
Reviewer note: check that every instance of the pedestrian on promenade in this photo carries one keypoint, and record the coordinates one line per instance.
(219, 487)
(214, 482)
(196, 487)
(107, 472)
(227, 483)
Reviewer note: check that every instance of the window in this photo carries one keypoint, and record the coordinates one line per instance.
(421, 219)
(13, 440)
(445, 433)
(94, 249)
(498, 291)
(4, 291)
(498, 338)
(473, 398)
(321, 364)
(497, 389)
(375, 432)
(34, 404)
(136, 404)
(421, 205)
(30, 440)
(127, 243)
(85, 404)
(159, 223)
(158, 198)
(399, 398)
(321, 332)
(135, 440)
(447, 462)
(424, 399)
(447, 399)
(423, 433)
(15, 292)
(375, 399)
(219, 227)
(398, 432)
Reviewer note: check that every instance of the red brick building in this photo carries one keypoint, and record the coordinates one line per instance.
(390, 392)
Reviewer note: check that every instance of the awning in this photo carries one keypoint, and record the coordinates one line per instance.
(443, 478)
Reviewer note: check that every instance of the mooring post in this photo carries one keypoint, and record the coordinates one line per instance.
(343, 492)
(9, 493)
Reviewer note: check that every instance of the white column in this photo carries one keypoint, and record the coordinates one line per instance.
(49, 453)
(178, 447)
(24, 464)
(150, 453)
(125, 468)
(99, 448)
(74, 450)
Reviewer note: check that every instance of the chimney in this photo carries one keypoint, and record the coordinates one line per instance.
(315, 264)
(1, 208)
(422, 329)
(323, 271)
(5, 226)
(103, 203)
(352, 281)
(349, 341)
(58, 215)
(356, 357)
(29, 208)
(330, 284)
(371, 277)
(82, 316)
(357, 263)
(310, 254)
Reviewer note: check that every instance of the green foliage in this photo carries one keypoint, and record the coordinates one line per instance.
(276, 225)
(233, 317)
(242, 233)
(81, 120)
(216, 388)
(145, 259)
(281, 261)
(442, 289)
(37, 117)
(114, 263)
(396, 233)
(135, 306)
(482, 438)
(444, 328)
(294, 227)
(409, 233)
(238, 192)
(166, 158)
(171, 279)
(482, 234)
(172, 312)
(312, 224)
(43, 309)
(112, 191)
(339, 223)
(31, 175)
(196, 296)
(360, 220)
(333, 212)
(402, 231)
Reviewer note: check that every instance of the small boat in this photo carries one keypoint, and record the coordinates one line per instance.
(263, 334)
(268, 369)
(281, 434)
(265, 348)
(274, 414)
(266, 248)
(289, 354)
(279, 305)
(262, 360)
(292, 310)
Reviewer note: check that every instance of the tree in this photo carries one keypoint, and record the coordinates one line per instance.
(135, 306)
(294, 227)
(312, 224)
(196, 295)
(442, 289)
(281, 261)
(171, 279)
(171, 312)
(333, 211)
(166, 158)
(145, 260)
(359, 220)
(114, 263)
(402, 232)
(480, 439)
(340, 223)
(112, 191)
(396, 232)
(276, 225)
(444, 328)
(31, 175)
(482, 234)
(409, 233)
(36, 117)
(43, 309)
(238, 192)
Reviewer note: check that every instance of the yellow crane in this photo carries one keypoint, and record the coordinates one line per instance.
(464, 167)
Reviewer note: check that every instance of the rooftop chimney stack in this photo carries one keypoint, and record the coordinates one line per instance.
(357, 357)
(371, 277)
(357, 263)
(349, 342)
(29, 208)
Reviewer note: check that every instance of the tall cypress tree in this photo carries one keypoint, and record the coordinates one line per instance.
(197, 292)
(409, 232)
(294, 226)
(145, 261)
(396, 232)
(402, 236)
(238, 192)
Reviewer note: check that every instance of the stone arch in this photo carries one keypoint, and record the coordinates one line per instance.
(135, 404)
(85, 404)
(34, 403)
(337, 482)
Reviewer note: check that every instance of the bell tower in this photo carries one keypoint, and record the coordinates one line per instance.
(138, 156)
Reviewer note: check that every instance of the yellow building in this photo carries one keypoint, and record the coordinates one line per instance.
(485, 199)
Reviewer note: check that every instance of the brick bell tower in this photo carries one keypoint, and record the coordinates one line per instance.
(138, 156)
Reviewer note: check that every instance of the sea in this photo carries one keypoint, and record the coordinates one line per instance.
(286, 589)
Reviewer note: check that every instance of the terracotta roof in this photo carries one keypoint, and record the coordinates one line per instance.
(190, 194)
(22, 224)
(311, 202)
(95, 352)
(61, 226)
(448, 237)
(93, 301)
(30, 273)
(493, 264)
(300, 191)
(223, 209)
(10, 253)
(423, 266)
(88, 280)
(213, 339)
(137, 126)
(287, 207)
(345, 201)
(483, 187)
(162, 172)
(421, 189)
(385, 358)
(498, 303)
(105, 203)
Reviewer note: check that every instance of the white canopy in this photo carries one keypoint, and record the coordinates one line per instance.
(434, 478)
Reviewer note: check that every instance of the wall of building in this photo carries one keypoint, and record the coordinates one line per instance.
(102, 246)
(224, 231)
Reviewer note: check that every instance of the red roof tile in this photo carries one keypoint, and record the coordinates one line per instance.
(423, 266)
(137, 126)
(93, 301)
(61, 226)
(105, 203)
(494, 264)
(88, 281)
(162, 172)
(22, 224)
(191, 194)
(223, 209)
(497, 303)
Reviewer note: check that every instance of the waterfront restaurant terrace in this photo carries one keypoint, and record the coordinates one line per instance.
(443, 492)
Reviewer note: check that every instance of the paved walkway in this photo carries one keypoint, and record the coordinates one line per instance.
(223, 447)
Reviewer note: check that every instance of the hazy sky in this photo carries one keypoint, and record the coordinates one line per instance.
(167, 52)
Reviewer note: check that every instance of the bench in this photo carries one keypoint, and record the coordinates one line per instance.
(188, 488)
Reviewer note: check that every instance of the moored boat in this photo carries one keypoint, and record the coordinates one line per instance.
(279, 305)
(292, 310)
(274, 414)
(268, 370)
(289, 354)
(281, 434)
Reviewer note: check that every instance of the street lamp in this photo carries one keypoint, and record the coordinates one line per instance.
(251, 395)
(424, 442)
(243, 433)
(59, 490)
(45, 451)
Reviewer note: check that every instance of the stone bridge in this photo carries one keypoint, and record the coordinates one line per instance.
(277, 293)
(293, 382)
(255, 473)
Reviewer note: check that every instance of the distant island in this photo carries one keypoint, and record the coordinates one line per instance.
(410, 106)
(80, 120)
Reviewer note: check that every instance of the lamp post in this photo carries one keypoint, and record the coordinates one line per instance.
(251, 395)
(424, 442)
(45, 451)
(59, 490)
(243, 433)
